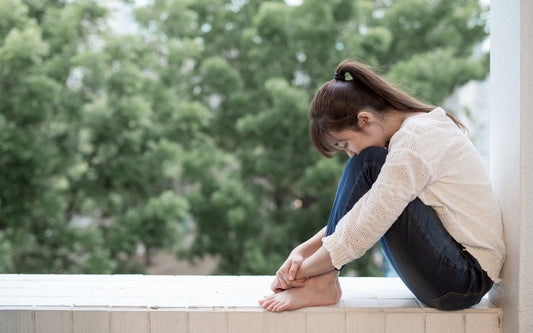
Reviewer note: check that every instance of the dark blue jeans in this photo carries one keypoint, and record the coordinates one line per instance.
(436, 268)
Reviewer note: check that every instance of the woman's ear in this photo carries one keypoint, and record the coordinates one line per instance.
(364, 118)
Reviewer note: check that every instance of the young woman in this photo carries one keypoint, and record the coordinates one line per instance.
(414, 182)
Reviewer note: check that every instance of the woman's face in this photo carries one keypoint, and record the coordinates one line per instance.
(372, 134)
(353, 142)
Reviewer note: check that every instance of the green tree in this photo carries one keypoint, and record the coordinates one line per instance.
(34, 149)
(81, 142)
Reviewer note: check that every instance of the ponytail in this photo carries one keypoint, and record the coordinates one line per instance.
(355, 88)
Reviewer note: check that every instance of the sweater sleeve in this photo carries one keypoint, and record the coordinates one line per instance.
(402, 177)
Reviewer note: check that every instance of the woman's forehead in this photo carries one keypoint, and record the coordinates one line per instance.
(340, 135)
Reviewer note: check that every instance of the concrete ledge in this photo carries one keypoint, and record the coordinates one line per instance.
(153, 304)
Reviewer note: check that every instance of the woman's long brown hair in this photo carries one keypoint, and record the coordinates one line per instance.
(337, 103)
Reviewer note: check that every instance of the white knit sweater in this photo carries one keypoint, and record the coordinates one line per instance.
(430, 158)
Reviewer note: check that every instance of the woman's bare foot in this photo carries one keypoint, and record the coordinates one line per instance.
(320, 290)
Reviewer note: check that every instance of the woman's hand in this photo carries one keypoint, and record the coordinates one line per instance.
(286, 274)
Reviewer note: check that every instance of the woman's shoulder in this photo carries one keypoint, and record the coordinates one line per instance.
(432, 130)
(435, 120)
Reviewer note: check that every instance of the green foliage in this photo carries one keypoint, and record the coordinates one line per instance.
(156, 224)
(110, 143)
(82, 142)
(434, 74)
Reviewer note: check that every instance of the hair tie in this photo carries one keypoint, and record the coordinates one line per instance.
(339, 76)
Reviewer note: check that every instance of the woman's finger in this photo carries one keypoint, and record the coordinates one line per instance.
(295, 265)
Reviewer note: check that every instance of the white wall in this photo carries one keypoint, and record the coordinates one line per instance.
(511, 142)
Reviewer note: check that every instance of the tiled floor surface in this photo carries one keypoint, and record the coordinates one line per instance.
(198, 304)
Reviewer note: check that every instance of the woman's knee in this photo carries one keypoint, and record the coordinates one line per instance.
(359, 174)
(373, 151)
(369, 160)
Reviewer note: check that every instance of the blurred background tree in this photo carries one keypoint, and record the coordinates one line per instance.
(112, 144)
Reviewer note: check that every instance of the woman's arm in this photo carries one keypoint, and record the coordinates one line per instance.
(317, 264)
